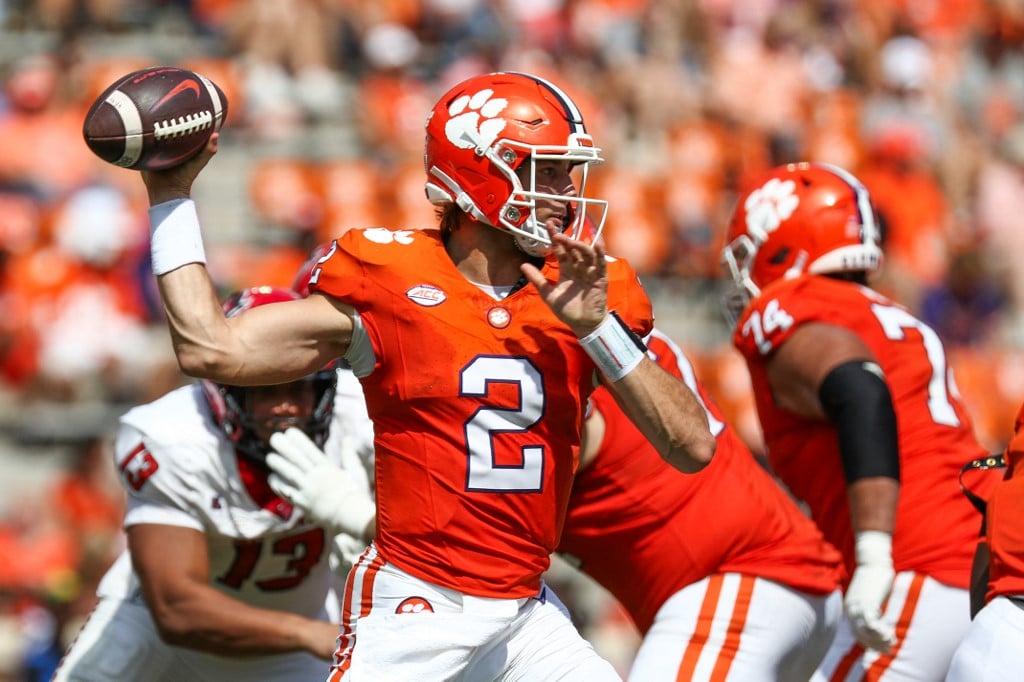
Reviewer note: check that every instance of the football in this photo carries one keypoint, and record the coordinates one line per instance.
(155, 118)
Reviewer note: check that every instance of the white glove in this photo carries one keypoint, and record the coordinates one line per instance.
(868, 590)
(345, 552)
(326, 493)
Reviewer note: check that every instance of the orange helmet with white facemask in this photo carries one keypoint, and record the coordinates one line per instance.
(483, 130)
(800, 218)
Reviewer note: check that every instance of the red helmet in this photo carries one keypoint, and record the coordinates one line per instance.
(230, 405)
(800, 218)
(480, 133)
(304, 276)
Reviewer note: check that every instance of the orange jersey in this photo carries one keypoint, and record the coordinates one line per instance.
(644, 530)
(1005, 523)
(477, 407)
(936, 527)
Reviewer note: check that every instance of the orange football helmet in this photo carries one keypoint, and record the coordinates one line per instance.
(480, 133)
(800, 218)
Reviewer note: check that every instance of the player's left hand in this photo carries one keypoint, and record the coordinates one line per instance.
(580, 296)
(329, 495)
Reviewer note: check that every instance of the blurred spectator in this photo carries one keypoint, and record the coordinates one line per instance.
(965, 308)
(915, 216)
(89, 501)
(287, 51)
(999, 208)
(40, 132)
(456, 30)
(21, 218)
(84, 330)
(93, 331)
(392, 97)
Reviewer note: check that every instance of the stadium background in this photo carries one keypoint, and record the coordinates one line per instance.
(688, 98)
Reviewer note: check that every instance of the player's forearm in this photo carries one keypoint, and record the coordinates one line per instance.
(873, 503)
(668, 414)
(195, 319)
(210, 621)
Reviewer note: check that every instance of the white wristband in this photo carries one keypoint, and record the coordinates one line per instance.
(176, 238)
(612, 348)
(874, 547)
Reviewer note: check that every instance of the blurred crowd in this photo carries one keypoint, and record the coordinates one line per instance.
(688, 98)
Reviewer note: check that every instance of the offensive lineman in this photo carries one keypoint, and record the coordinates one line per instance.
(860, 418)
(722, 573)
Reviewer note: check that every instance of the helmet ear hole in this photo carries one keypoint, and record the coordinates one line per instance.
(780, 256)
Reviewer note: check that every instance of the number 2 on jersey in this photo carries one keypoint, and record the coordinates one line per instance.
(485, 474)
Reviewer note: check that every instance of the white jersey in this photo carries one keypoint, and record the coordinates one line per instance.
(179, 469)
(351, 421)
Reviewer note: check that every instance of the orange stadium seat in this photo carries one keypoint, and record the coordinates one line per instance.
(409, 206)
(352, 195)
(991, 382)
(286, 193)
(636, 229)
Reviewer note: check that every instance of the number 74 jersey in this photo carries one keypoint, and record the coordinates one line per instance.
(936, 527)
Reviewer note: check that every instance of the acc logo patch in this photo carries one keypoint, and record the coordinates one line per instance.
(414, 605)
(426, 295)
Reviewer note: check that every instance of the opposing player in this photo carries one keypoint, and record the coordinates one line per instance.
(222, 579)
(477, 346)
(720, 571)
(860, 418)
(993, 648)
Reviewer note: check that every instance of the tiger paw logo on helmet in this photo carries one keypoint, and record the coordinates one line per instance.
(466, 130)
(768, 206)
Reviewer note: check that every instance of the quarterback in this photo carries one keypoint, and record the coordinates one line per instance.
(477, 345)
